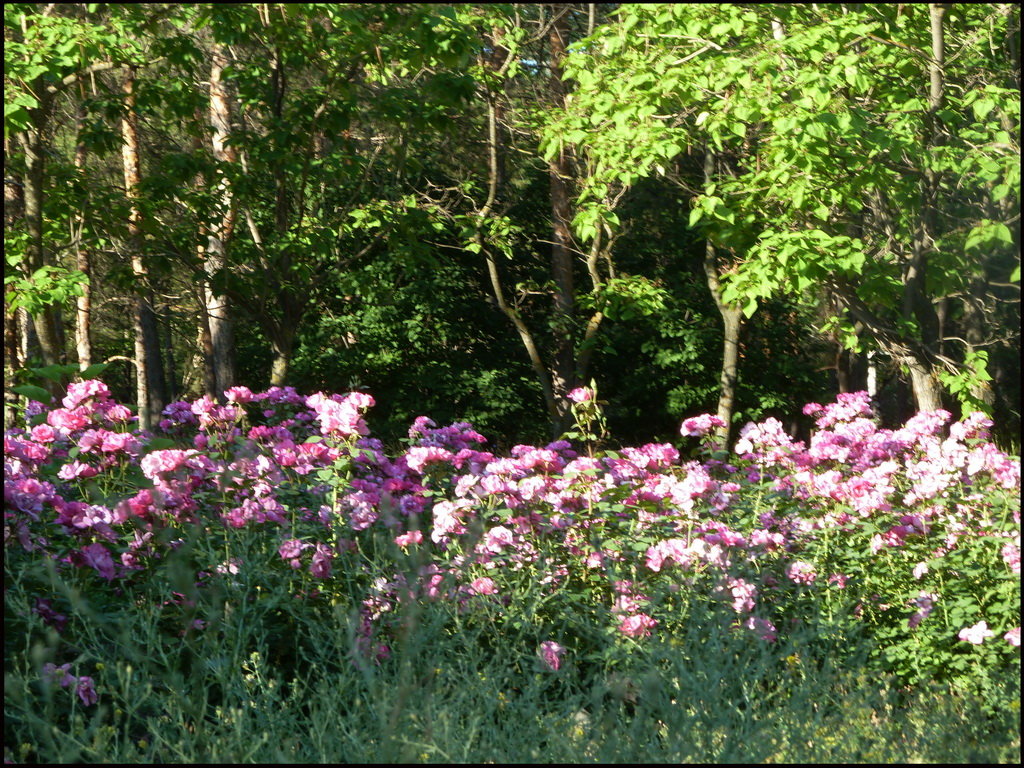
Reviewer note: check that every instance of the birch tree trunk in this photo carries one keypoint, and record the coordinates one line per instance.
(83, 302)
(218, 311)
(149, 375)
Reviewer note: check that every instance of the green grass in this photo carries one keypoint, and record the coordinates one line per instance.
(275, 680)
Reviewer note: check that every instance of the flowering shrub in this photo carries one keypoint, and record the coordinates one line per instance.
(910, 535)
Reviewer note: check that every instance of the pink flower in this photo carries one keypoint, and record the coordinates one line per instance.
(497, 539)
(801, 572)
(339, 416)
(741, 591)
(238, 395)
(638, 625)
(117, 413)
(76, 469)
(321, 566)
(925, 603)
(551, 654)
(119, 441)
(407, 539)
(80, 391)
(1013, 637)
(44, 433)
(977, 634)
(68, 420)
(161, 462)
(417, 457)
(292, 549)
(698, 426)
(1011, 556)
(484, 586)
(581, 395)
(764, 628)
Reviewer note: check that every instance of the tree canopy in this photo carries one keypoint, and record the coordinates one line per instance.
(470, 210)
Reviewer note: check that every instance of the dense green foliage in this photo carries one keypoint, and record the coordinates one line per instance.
(374, 202)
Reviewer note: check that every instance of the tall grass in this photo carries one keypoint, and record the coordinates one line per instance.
(276, 679)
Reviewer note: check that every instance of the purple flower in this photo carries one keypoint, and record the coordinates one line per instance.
(96, 556)
(86, 691)
(551, 654)
(321, 566)
(44, 608)
(59, 675)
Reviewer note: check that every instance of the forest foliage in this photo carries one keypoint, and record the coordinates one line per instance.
(471, 210)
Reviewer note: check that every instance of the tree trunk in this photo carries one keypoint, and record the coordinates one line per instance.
(46, 321)
(222, 345)
(498, 62)
(149, 374)
(282, 341)
(168, 354)
(916, 303)
(732, 325)
(927, 391)
(83, 303)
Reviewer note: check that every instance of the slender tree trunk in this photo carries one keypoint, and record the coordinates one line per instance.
(498, 61)
(916, 303)
(222, 345)
(151, 390)
(83, 303)
(563, 368)
(732, 326)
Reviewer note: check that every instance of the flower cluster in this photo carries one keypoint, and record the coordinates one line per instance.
(305, 473)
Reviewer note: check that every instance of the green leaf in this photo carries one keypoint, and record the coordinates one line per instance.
(93, 370)
(982, 107)
(32, 392)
